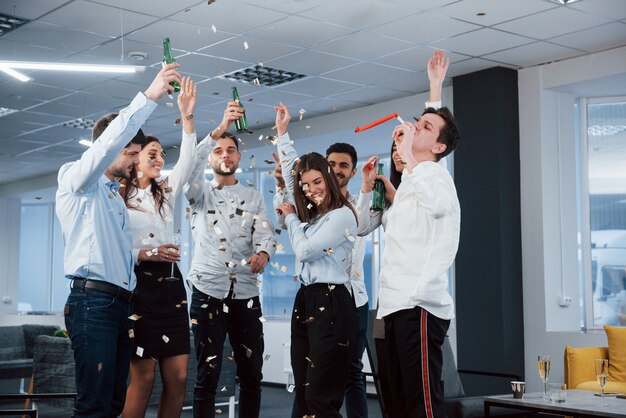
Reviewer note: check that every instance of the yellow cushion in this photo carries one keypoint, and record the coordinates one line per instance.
(615, 387)
(617, 352)
(579, 366)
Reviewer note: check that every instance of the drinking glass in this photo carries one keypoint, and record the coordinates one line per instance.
(602, 371)
(176, 241)
(543, 363)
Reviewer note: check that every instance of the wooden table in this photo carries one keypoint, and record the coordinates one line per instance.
(579, 403)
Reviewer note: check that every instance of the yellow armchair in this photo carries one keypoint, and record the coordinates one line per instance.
(580, 370)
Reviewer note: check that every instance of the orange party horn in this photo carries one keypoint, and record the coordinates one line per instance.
(378, 122)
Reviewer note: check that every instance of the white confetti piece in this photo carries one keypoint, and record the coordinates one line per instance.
(225, 308)
(245, 44)
(139, 351)
(250, 303)
(262, 319)
(139, 176)
(165, 338)
(134, 317)
(283, 269)
(169, 104)
(204, 306)
(243, 262)
(131, 333)
(213, 28)
(209, 358)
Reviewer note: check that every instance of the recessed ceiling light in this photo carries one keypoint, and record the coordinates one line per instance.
(9, 23)
(137, 55)
(562, 2)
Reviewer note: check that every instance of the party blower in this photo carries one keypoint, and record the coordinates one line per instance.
(378, 122)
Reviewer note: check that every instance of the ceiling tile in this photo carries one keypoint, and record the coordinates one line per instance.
(288, 6)
(160, 8)
(55, 37)
(29, 9)
(321, 87)
(368, 95)
(595, 39)
(230, 16)
(117, 52)
(533, 54)
(183, 37)
(553, 22)
(416, 59)
(10, 50)
(347, 14)
(299, 31)
(310, 62)
(17, 102)
(33, 90)
(610, 9)
(256, 51)
(406, 85)
(97, 18)
(480, 42)
(207, 65)
(72, 80)
(366, 73)
(424, 28)
(495, 11)
(362, 45)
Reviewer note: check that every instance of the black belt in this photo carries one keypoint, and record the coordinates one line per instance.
(102, 287)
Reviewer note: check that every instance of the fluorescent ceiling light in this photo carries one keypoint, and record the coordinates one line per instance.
(14, 73)
(58, 66)
(85, 142)
(6, 111)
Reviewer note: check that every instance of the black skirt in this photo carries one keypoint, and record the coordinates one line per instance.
(163, 327)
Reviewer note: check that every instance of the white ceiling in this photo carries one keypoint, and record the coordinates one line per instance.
(355, 53)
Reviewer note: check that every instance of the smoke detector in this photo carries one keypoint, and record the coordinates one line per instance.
(137, 55)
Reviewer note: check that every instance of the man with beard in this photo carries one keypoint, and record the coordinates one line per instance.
(342, 158)
(98, 252)
(233, 242)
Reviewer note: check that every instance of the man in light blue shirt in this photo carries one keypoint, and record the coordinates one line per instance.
(98, 253)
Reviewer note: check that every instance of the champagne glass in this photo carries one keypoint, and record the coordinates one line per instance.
(602, 371)
(175, 241)
(543, 363)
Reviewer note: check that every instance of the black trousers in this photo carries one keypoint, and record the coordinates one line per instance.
(210, 324)
(323, 338)
(413, 355)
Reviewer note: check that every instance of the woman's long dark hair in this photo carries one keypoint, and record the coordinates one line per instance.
(395, 176)
(334, 199)
(156, 188)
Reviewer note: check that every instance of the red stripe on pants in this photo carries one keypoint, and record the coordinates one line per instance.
(425, 378)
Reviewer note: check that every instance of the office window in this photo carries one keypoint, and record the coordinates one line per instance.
(604, 210)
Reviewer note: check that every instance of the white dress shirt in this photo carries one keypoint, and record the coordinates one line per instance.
(93, 217)
(150, 229)
(229, 225)
(421, 241)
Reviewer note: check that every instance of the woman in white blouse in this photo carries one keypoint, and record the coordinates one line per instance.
(323, 324)
(161, 329)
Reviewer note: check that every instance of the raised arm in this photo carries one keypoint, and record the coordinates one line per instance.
(187, 157)
(85, 172)
(195, 185)
(333, 231)
(437, 69)
(286, 151)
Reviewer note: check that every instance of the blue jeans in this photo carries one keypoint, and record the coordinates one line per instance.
(98, 326)
(356, 395)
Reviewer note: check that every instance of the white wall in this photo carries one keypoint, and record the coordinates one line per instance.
(548, 203)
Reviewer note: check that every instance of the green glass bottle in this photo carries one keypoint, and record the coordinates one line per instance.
(242, 123)
(378, 199)
(168, 58)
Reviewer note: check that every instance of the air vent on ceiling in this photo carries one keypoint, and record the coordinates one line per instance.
(80, 123)
(9, 23)
(263, 76)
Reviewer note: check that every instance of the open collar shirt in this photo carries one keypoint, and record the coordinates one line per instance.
(92, 214)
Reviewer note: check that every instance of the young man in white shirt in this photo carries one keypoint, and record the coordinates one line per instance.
(98, 253)
(421, 240)
(233, 242)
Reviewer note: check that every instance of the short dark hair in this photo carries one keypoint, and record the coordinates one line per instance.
(342, 147)
(104, 123)
(230, 136)
(450, 134)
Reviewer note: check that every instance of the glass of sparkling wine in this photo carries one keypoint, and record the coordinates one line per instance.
(602, 371)
(543, 364)
(175, 241)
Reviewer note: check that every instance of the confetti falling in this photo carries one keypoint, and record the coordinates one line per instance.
(245, 45)
(214, 29)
